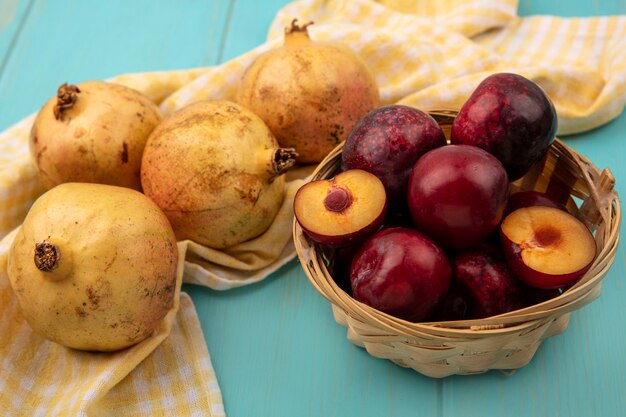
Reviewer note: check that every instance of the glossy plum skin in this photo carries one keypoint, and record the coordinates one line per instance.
(510, 117)
(457, 194)
(488, 284)
(531, 198)
(401, 272)
(387, 142)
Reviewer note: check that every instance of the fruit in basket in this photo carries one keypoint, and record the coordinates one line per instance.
(387, 142)
(93, 266)
(453, 307)
(343, 210)
(400, 217)
(531, 198)
(487, 283)
(546, 247)
(401, 272)
(338, 259)
(216, 171)
(539, 295)
(509, 116)
(457, 195)
(309, 93)
(94, 132)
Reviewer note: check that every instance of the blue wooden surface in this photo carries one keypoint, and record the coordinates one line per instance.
(274, 345)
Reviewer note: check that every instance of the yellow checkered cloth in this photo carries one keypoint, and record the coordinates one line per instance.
(427, 54)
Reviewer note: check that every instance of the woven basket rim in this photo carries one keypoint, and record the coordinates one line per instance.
(602, 194)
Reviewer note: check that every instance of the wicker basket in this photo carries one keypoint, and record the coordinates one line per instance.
(507, 341)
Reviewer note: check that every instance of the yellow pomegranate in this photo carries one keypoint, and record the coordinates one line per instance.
(215, 170)
(92, 132)
(93, 266)
(310, 94)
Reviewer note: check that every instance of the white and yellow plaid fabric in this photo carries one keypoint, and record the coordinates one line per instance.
(427, 54)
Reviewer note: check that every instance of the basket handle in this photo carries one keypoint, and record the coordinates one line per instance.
(601, 196)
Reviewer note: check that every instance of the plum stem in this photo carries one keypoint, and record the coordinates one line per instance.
(338, 199)
(47, 256)
(66, 97)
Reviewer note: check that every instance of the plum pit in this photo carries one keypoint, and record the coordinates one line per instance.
(547, 236)
(338, 199)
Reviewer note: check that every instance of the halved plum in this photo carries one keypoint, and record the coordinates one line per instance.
(343, 210)
(547, 247)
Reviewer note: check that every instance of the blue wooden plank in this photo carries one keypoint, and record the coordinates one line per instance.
(278, 352)
(76, 41)
(12, 14)
(567, 8)
(249, 25)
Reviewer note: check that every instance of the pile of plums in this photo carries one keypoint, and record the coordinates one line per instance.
(423, 229)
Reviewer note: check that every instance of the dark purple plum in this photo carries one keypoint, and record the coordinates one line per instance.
(387, 142)
(400, 217)
(538, 295)
(523, 199)
(487, 283)
(453, 307)
(509, 116)
(457, 195)
(338, 260)
(401, 272)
